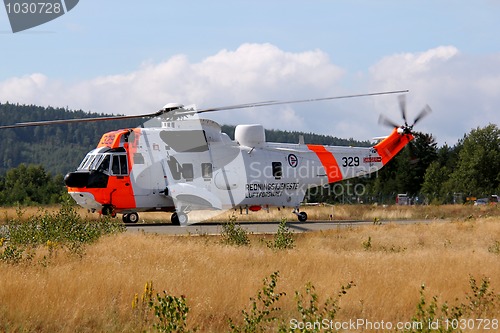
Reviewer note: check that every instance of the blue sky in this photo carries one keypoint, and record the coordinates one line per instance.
(133, 57)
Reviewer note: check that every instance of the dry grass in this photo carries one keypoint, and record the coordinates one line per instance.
(94, 293)
(315, 213)
(351, 212)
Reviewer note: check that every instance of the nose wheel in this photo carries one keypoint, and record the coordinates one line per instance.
(179, 218)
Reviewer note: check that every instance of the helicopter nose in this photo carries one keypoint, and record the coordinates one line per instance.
(76, 179)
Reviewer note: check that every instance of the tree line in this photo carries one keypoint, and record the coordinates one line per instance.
(59, 148)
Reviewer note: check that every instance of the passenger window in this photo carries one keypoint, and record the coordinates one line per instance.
(206, 170)
(138, 158)
(277, 170)
(187, 171)
(174, 167)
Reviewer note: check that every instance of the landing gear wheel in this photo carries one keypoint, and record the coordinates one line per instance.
(302, 216)
(183, 218)
(179, 218)
(175, 219)
(131, 218)
(108, 210)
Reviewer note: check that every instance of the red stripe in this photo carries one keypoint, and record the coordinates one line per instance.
(329, 163)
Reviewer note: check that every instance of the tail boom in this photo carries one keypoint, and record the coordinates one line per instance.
(392, 145)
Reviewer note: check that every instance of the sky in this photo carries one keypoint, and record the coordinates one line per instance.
(133, 57)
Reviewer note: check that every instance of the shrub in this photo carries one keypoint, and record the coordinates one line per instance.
(481, 304)
(62, 229)
(263, 310)
(283, 238)
(265, 315)
(311, 312)
(495, 248)
(170, 311)
(234, 234)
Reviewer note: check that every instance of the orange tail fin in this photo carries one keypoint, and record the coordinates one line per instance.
(390, 146)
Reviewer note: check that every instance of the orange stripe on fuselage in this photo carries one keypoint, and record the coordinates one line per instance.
(328, 161)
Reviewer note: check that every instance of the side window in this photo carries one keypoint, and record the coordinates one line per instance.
(174, 167)
(115, 169)
(119, 165)
(187, 171)
(277, 170)
(123, 165)
(206, 170)
(138, 158)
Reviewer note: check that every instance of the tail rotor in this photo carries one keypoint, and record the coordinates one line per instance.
(404, 129)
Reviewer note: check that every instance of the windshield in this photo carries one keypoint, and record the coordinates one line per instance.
(108, 163)
(98, 162)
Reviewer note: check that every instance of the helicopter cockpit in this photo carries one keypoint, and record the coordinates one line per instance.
(106, 161)
(97, 166)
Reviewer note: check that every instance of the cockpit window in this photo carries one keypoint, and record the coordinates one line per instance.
(119, 166)
(82, 165)
(104, 165)
(115, 164)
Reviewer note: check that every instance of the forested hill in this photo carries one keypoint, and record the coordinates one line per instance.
(60, 148)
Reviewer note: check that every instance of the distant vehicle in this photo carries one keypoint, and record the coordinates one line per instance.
(402, 199)
(493, 200)
(480, 202)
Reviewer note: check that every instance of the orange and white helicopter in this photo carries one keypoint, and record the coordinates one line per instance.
(177, 162)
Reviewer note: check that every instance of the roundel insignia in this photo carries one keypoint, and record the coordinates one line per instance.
(293, 160)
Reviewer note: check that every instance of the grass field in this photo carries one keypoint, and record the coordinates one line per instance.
(56, 291)
(324, 213)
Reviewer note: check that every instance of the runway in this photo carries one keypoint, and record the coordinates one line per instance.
(257, 227)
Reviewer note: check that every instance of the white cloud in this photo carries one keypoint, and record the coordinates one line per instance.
(461, 89)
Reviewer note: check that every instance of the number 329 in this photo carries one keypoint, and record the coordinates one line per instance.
(350, 161)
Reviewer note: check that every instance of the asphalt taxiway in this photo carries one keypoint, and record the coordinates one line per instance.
(256, 227)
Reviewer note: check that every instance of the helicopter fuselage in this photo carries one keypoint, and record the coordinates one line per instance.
(187, 165)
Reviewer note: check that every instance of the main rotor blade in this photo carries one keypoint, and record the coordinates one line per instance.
(402, 107)
(269, 103)
(425, 111)
(69, 121)
(383, 120)
(167, 110)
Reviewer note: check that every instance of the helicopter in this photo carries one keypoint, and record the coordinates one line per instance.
(178, 162)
